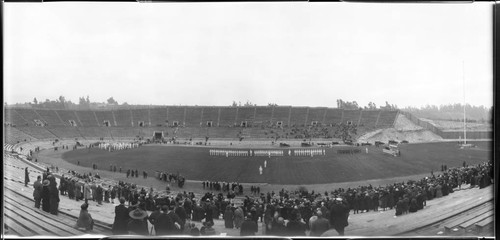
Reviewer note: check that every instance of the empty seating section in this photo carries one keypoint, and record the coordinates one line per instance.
(263, 115)
(123, 117)
(298, 116)
(227, 116)
(193, 116)
(103, 116)
(222, 132)
(67, 115)
(50, 117)
(38, 132)
(140, 115)
(11, 116)
(158, 116)
(190, 132)
(175, 114)
(351, 116)
(95, 132)
(63, 132)
(14, 135)
(369, 118)
(87, 118)
(316, 114)
(245, 114)
(333, 116)
(387, 118)
(210, 114)
(281, 114)
(123, 132)
(29, 115)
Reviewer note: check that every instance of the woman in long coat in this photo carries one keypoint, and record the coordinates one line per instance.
(46, 196)
(228, 217)
(238, 217)
(54, 196)
(87, 192)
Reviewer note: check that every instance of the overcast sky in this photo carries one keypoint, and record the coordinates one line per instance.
(300, 54)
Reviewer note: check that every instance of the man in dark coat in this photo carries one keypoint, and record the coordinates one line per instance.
(319, 226)
(121, 219)
(249, 227)
(54, 196)
(228, 217)
(45, 196)
(295, 227)
(338, 216)
(37, 192)
(164, 225)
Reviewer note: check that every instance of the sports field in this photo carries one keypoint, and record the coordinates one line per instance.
(195, 163)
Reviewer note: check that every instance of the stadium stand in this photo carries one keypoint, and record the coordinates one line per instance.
(123, 132)
(50, 117)
(210, 114)
(387, 118)
(263, 116)
(369, 118)
(140, 115)
(13, 118)
(298, 116)
(175, 114)
(227, 117)
(281, 114)
(105, 116)
(316, 115)
(14, 135)
(333, 116)
(29, 115)
(95, 132)
(123, 117)
(352, 116)
(67, 116)
(87, 118)
(64, 132)
(245, 114)
(193, 116)
(38, 132)
(158, 116)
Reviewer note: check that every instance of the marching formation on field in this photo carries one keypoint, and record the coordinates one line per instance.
(266, 153)
(114, 146)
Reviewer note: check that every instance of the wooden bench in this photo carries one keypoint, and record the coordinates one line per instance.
(470, 214)
(477, 219)
(483, 224)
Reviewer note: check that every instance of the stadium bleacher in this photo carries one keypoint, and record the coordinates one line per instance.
(175, 114)
(12, 117)
(281, 114)
(103, 116)
(87, 118)
(245, 114)
(50, 117)
(64, 132)
(227, 116)
(193, 116)
(298, 116)
(158, 116)
(387, 118)
(140, 115)
(316, 115)
(38, 132)
(29, 115)
(352, 116)
(369, 117)
(67, 116)
(14, 135)
(123, 117)
(263, 115)
(333, 116)
(210, 114)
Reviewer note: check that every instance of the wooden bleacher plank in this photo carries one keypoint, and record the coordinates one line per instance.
(476, 219)
(481, 225)
(32, 225)
(462, 219)
(17, 228)
(47, 223)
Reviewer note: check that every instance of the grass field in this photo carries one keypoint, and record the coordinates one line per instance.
(195, 163)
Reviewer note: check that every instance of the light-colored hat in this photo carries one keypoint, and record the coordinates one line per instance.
(45, 182)
(138, 214)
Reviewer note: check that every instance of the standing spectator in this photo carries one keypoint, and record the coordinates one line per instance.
(87, 192)
(320, 225)
(54, 195)
(37, 191)
(164, 225)
(339, 214)
(228, 217)
(238, 217)
(45, 196)
(26, 177)
(295, 227)
(138, 223)
(121, 219)
(249, 227)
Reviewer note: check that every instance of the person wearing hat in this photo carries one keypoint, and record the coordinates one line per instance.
(207, 229)
(228, 217)
(121, 219)
(87, 192)
(164, 225)
(54, 196)
(37, 191)
(26, 177)
(295, 227)
(320, 225)
(138, 224)
(45, 196)
(249, 227)
(339, 214)
(238, 217)
(85, 219)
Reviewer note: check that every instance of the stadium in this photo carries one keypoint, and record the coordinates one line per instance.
(290, 150)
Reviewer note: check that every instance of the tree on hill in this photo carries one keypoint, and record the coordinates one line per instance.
(112, 101)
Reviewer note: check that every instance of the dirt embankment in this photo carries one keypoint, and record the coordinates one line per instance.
(403, 129)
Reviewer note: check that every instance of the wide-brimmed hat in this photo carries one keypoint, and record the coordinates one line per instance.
(45, 182)
(138, 214)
